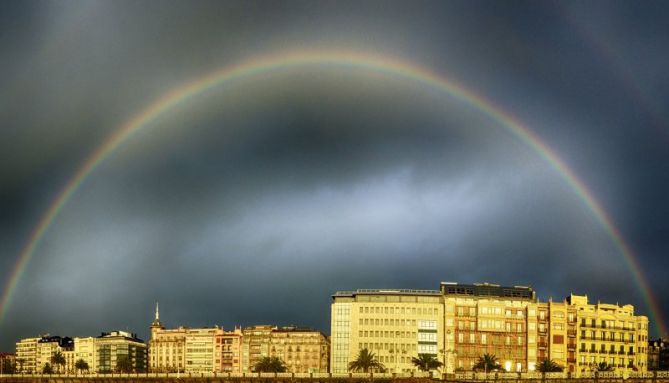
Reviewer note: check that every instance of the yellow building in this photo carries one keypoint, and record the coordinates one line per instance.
(26, 355)
(200, 345)
(303, 350)
(86, 350)
(47, 346)
(610, 334)
(183, 349)
(488, 318)
(229, 351)
(396, 325)
(460, 323)
(167, 347)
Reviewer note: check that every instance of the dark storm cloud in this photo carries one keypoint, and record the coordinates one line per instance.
(299, 183)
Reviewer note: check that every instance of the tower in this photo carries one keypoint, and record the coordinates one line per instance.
(156, 325)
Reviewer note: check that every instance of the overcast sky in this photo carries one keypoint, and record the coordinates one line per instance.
(253, 203)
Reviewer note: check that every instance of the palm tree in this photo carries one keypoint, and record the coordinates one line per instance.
(426, 362)
(487, 362)
(365, 362)
(124, 364)
(47, 369)
(603, 366)
(58, 360)
(270, 364)
(548, 365)
(81, 365)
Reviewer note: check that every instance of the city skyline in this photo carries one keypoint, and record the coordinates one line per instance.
(226, 158)
(231, 327)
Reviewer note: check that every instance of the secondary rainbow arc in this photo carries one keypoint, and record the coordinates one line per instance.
(372, 63)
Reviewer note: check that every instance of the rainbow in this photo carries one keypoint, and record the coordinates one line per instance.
(345, 59)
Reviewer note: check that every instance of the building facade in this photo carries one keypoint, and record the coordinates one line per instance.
(8, 363)
(394, 324)
(113, 346)
(48, 346)
(658, 354)
(303, 350)
(26, 355)
(460, 323)
(86, 349)
(228, 353)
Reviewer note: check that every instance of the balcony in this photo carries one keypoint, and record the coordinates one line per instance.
(571, 360)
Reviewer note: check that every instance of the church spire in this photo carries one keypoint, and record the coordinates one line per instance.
(156, 322)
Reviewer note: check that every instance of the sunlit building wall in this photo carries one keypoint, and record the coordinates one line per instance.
(395, 325)
(167, 347)
(48, 346)
(472, 320)
(228, 354)
(86, 350)
(255, 345)
(611, 334)
(200, 345)
(26, 352)
(488, 318)
(303, 350)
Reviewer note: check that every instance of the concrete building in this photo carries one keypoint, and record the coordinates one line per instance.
(459, 323)
(183, 349)
(303, 350)
(86, 350)
(114, 345)
(487, 318)
(611, 334)
(8, 363)
(658, 354)
(167, 347)
(228, 353)
(200, 345)
(394, 324)
(26, 355)
(48, 346)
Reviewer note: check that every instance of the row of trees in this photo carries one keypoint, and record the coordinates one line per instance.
(123, 364)
(366, 362)
(489, 362)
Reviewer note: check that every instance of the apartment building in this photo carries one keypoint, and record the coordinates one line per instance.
(47, 346)
(610, 334)
(228, 354)
(658, 354)
(193, 350)
(488, 318)
(394, 324)
(303, 350)
(86, 349)
(114, 345)
(459, 323)
(26, 352)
